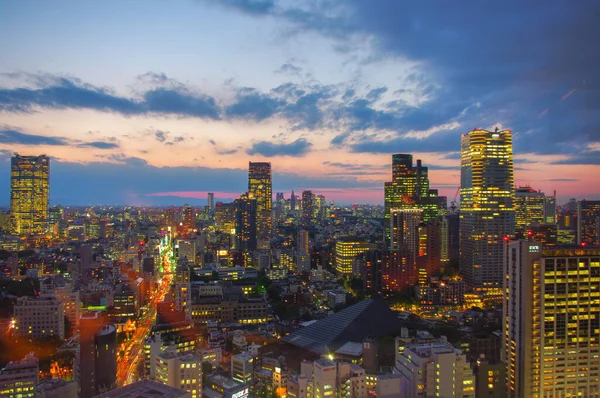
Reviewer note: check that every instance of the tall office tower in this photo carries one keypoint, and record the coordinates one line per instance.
(404, 230)
(18, 378)
(211, 202)
(320, 208)
(346, 255)
(529, 208)
(588, 222)
(259, 188)
(308, 207)
(29, 187)
(550, 209)
(429, 254)
(486, 205)
(188, 218)
(225, 217)
(409, 189)
(551, 330)
(449, 250)
(170, 217)
(279, 206)
(246, 223)
(293, 202)
(303, 241)
(96, 360)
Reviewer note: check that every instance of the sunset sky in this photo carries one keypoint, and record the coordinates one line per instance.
(159, 102)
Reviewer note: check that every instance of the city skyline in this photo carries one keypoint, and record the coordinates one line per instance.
(170, 114)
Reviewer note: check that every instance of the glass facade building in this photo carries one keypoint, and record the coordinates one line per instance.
(29, 190)
(260, 189)
(486, 205)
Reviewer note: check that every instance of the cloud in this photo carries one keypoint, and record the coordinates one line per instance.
(297, 148)
(251, 104)
(15, 137)
(582, 158)
(289, 69)
(61, 93)
(160, 136)
(563, 179)
(252, 7)
(99, 145)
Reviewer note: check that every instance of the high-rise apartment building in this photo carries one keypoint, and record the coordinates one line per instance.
(260, 189)
(246, 223)
(404, 231)
(551, 326)
(29, 190)
(37, 317)
(530, 206)
(486, 205)
(409, 189)
(96, 360)
(346, 253)
(303, 241)
(588, 222)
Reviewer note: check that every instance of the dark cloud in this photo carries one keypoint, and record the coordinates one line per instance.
(160, 136)
(563, 179)
(251, 104)
(376, 93)
(99, 145)
(538, 77)
(253, 7)
(269, 149)
(584, 158)
(15, 137)
(289, 69)
(63, 93)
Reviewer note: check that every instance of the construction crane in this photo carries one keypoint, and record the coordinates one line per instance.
(453, 203)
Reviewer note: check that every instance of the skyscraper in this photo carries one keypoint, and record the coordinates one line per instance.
(529, 208)
(246, 223)
(211, 202)
(259, 188)
(308, 207)
(29, 188)
(409, 189)
(550, 209)
(551, 330)
(588, 222)
(486, 205)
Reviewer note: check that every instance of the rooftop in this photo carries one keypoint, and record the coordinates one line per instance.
(370, 317)
(144, 389)
(351, 348)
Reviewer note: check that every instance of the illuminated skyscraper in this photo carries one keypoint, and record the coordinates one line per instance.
(308, 207)
(409, 189)
(259, 188)
(588, 222)
(550, 209)
(346, 254)
(551, 325)
(529, 208)
(245, 223)
(29, 186)
(187, 217)
(486, 205)
(211, 202)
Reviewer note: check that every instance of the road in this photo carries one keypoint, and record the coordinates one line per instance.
(127, 367)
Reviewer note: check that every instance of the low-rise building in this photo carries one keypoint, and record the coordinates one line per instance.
(180, 371)
(146, 388)
(18, 378)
